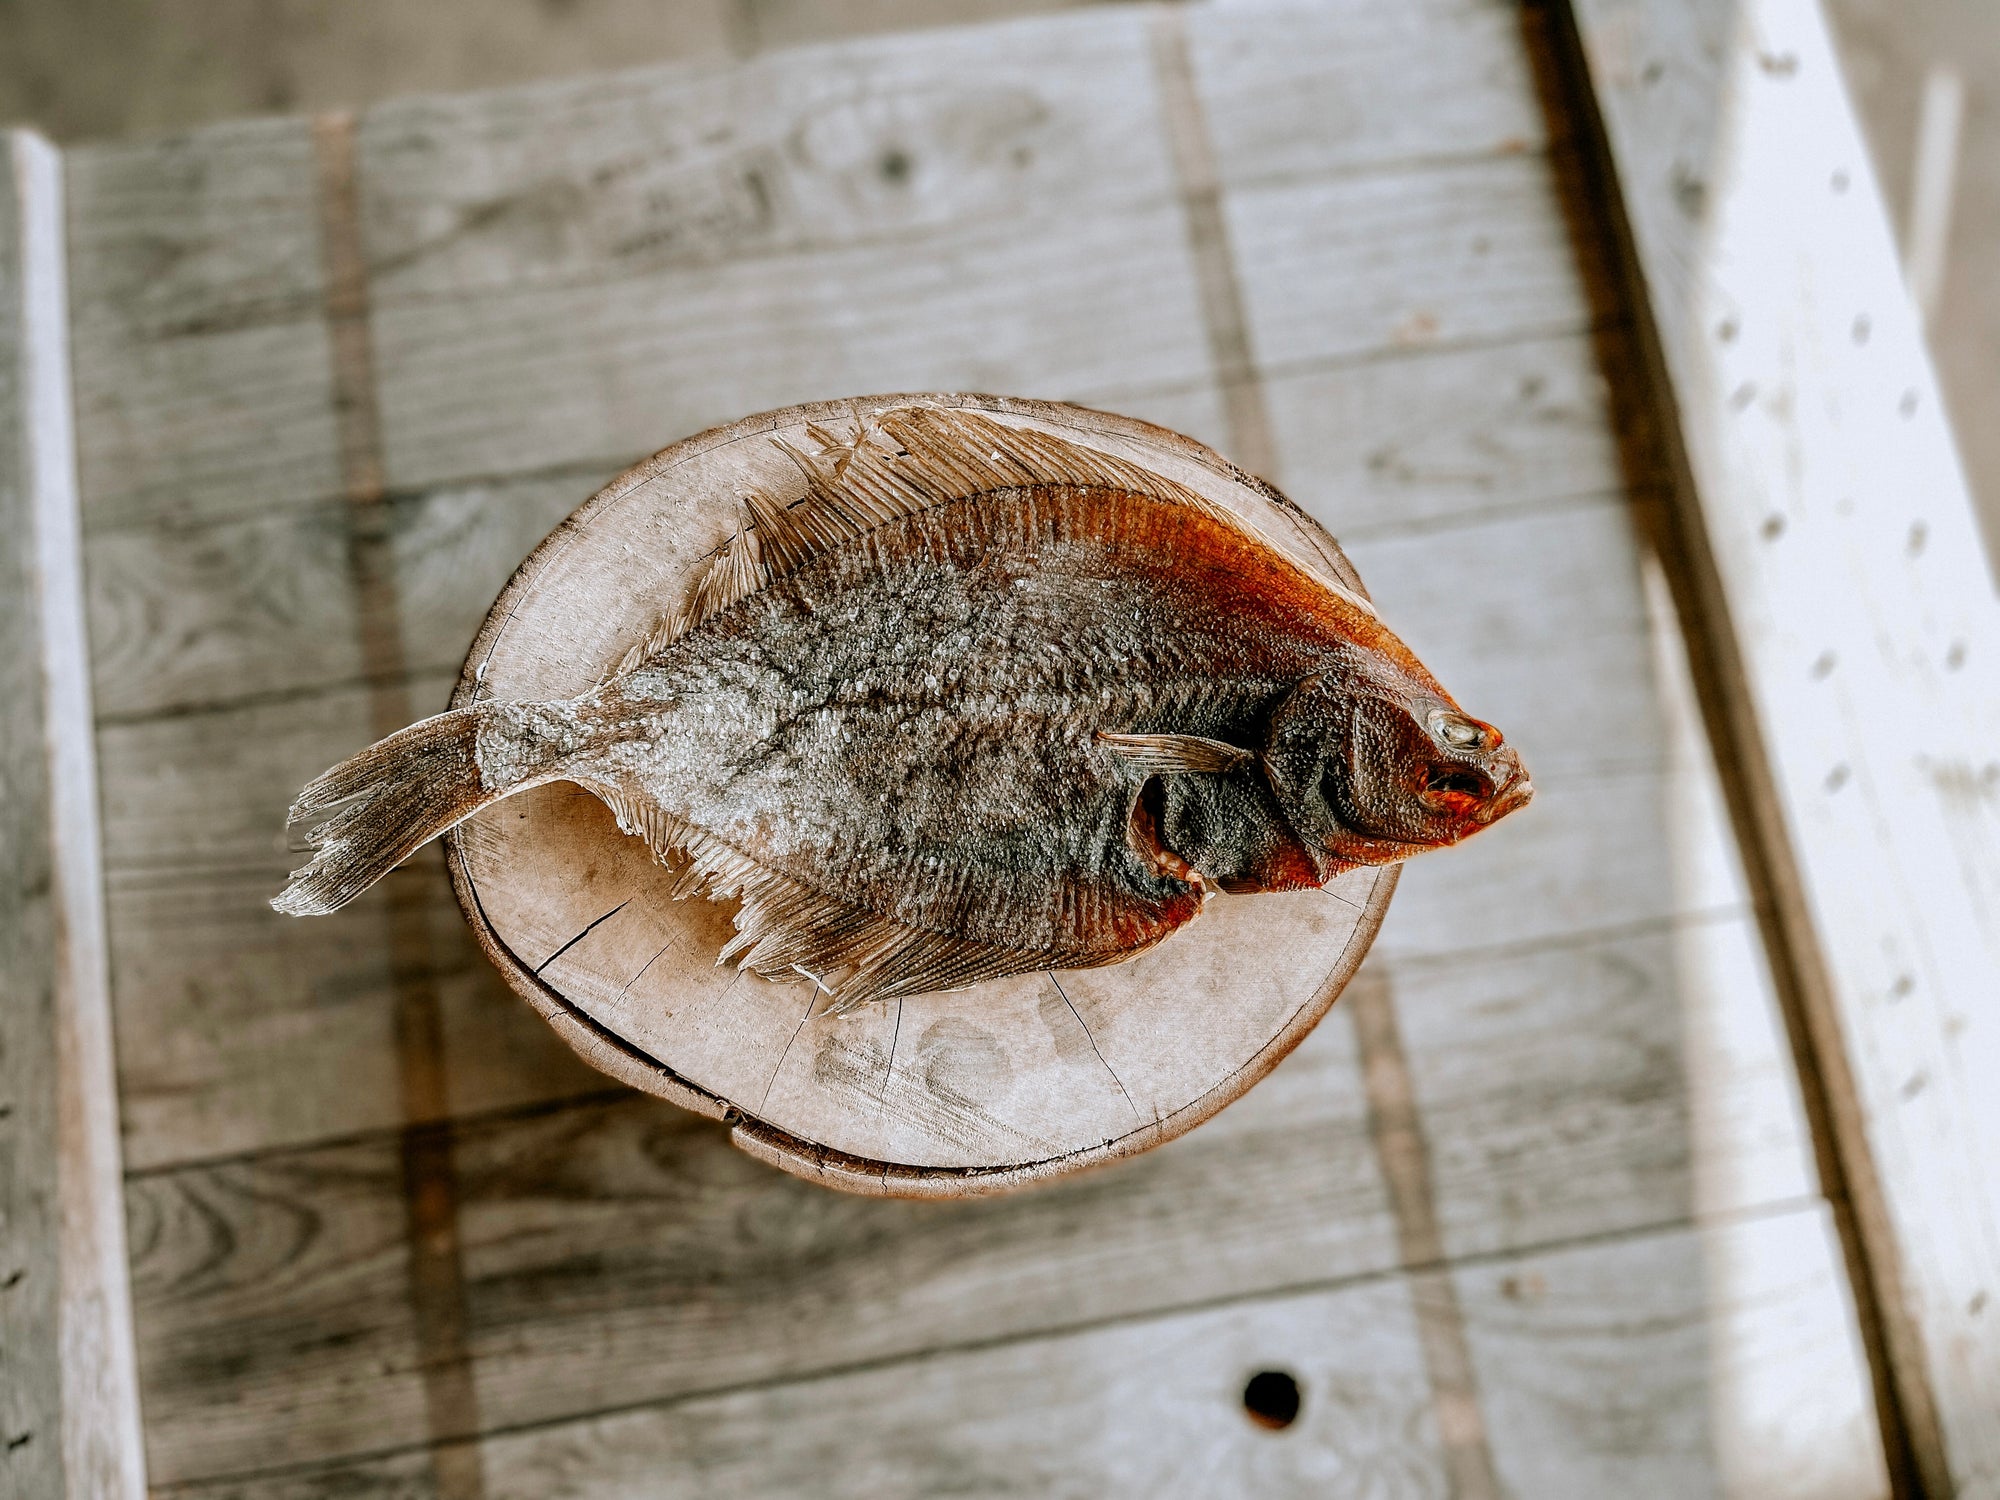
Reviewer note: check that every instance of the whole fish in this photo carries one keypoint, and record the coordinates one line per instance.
(979, 701)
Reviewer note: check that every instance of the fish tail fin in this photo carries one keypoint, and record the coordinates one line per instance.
(368, 814)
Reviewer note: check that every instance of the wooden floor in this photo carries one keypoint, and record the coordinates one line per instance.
(1532, 1214)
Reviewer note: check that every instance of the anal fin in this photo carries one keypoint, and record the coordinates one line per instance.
(666, 835)
(786, 930)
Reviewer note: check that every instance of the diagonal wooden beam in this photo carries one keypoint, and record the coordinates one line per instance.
(1844, 629)
(69, 1404)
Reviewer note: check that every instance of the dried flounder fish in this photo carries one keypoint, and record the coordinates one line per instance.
(980, 701)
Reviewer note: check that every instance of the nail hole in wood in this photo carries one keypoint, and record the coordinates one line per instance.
(1272, 1399)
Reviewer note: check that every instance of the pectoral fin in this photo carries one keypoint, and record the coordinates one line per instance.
(1165, 754)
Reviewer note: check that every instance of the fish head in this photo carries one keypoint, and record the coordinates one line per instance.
(1373, 769)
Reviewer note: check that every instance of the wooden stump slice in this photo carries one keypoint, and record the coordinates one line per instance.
(945, 1095)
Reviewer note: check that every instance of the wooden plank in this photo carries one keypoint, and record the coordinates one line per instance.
(1717, 1361)
(209, 615)
(1559, 1089)
(30, 1204)
(1336, 98)
(1581, 1054)
(69, 1416)
(206, 615)
(1833, 576)
(246, 1030)
(1641, 1364)
(298, 1265)
(202, 358)
(184, 63)
(792, 23)
(635, 1230)
(1456, 253)
(1147, 1408)
(1420, 439)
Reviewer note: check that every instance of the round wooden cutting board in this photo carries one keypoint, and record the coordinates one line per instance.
(1013, 1081)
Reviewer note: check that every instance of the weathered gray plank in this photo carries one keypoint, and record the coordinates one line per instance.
(1557, 1087)
(792, 23)
(30, 1210)
(1151, 1408)
(69, 1420)
(1835, 576)
(1686, 1363)
(298, 1266)
(85, 74)
(908, 139)
(202, 357)
(204, 615)
(1451, 254)
(636, 1231)
(246, 1030)
(1358, 87)
(1333, 269)
(179, 797)
(1717, 1361)
(1425, 438)
(1565, 1093)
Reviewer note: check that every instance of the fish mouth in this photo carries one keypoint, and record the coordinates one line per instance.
(1517, 791)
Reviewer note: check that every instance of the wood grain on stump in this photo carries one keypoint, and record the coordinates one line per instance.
(943, 1095)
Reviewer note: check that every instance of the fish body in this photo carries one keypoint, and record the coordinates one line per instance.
(980, 702)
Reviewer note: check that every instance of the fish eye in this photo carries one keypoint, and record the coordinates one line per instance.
(1460, 734)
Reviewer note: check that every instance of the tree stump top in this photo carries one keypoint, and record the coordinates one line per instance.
(943, 1095)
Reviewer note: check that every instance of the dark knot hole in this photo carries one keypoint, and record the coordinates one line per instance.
(1272, 1399)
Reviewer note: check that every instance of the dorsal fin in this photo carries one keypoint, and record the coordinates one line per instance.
(907, 460)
